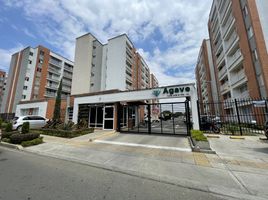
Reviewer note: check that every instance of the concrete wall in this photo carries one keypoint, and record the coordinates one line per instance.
(116, 63)
(41, 106)
(82, 64)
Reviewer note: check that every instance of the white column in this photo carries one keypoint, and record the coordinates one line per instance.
(75, 112)
(194, 110)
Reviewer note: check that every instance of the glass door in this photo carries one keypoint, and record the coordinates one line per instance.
(108, 117)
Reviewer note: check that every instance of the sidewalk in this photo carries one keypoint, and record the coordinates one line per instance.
(245, 179)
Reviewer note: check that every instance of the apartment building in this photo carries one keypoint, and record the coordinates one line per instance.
(115, 65)
(238, 32)
(35, 73)
(205, 78)
(153, 81)
(2, 85)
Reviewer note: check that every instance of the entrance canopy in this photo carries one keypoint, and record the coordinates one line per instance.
(114, 96)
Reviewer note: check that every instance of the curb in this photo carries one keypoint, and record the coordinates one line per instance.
(263, 138)
(213, 136)
(11, 146)
(101, 136)
(237, 137)
(188, 184)
(197, 149)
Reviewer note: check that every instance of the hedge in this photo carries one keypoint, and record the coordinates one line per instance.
(8, 134)
(35, 141)
(25, 127)
(19, 138)
(66, 133)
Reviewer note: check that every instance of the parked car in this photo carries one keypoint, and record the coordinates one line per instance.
(34, 121)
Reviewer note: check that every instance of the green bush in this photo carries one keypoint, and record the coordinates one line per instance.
(35, 141)
(6, 140)
(8, 127)
(8, 134)
(25, 127)
(67, 133)
(19, 138)
(198, 135)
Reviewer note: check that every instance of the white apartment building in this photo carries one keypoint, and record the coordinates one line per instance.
(115, 65)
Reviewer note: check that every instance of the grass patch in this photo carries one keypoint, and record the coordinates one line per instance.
(198, 135)
(32, 142)
(64, 133)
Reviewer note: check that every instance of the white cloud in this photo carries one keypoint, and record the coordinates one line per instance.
(182, 24)
(5, 55)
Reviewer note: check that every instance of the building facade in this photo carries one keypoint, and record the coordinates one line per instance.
(205, 78)
(239, 36)
(2, 85)
(34, 74)
(115, 65)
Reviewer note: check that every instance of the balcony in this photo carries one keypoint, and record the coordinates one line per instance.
(53, 70)
(227, 27)
(55, 63)
(222, 72)
(66, 68)
(224, 87)
(67, 75)
(53, 78)
(219, 58)
(129, 78)
(218, 46)
(235, 59)
(236, 77)
(226, 5)
(52, 86)
(232, 40)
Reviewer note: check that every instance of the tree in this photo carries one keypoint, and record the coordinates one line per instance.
(56, 114)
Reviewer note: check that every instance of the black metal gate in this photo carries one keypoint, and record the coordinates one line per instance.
(155, 118)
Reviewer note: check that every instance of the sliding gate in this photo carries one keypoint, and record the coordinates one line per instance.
(156, 118)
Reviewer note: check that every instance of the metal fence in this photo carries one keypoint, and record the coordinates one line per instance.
(234, 116)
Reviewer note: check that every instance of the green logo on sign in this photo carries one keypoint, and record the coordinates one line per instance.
(156, 92)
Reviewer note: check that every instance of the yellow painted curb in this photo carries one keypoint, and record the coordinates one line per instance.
(213, 136)
(237, 137)
(201, 159)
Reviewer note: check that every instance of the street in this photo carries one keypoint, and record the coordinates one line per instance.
(27, 176)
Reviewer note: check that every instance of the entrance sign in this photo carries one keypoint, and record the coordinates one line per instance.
(182, 91)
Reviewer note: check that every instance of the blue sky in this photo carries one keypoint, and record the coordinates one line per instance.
(167, 33)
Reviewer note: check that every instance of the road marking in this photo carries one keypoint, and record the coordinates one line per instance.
(143, 145)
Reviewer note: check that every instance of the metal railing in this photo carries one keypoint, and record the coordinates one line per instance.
(240, 116)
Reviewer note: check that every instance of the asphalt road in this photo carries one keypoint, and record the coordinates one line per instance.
(25, 176)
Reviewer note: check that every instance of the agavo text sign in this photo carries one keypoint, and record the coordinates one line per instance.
(173, 91)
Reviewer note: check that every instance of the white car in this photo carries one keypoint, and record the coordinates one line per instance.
(34, 121)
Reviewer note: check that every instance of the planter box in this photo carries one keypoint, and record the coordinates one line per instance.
(200, 146)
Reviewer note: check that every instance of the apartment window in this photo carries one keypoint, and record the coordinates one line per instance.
(92, 84)
(25, 87)
(41, 61)
(92, 74)
(30, 62)
(250, 32)
(39, 69)
(94, 47)
(26, 78)
(23, 96)
(31, 53)
(255, 55)
(245, 11)
(42, 53)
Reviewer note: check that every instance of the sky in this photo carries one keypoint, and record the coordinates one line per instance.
(167, 33)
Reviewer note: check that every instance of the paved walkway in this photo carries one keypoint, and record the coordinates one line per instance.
(208, 172)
